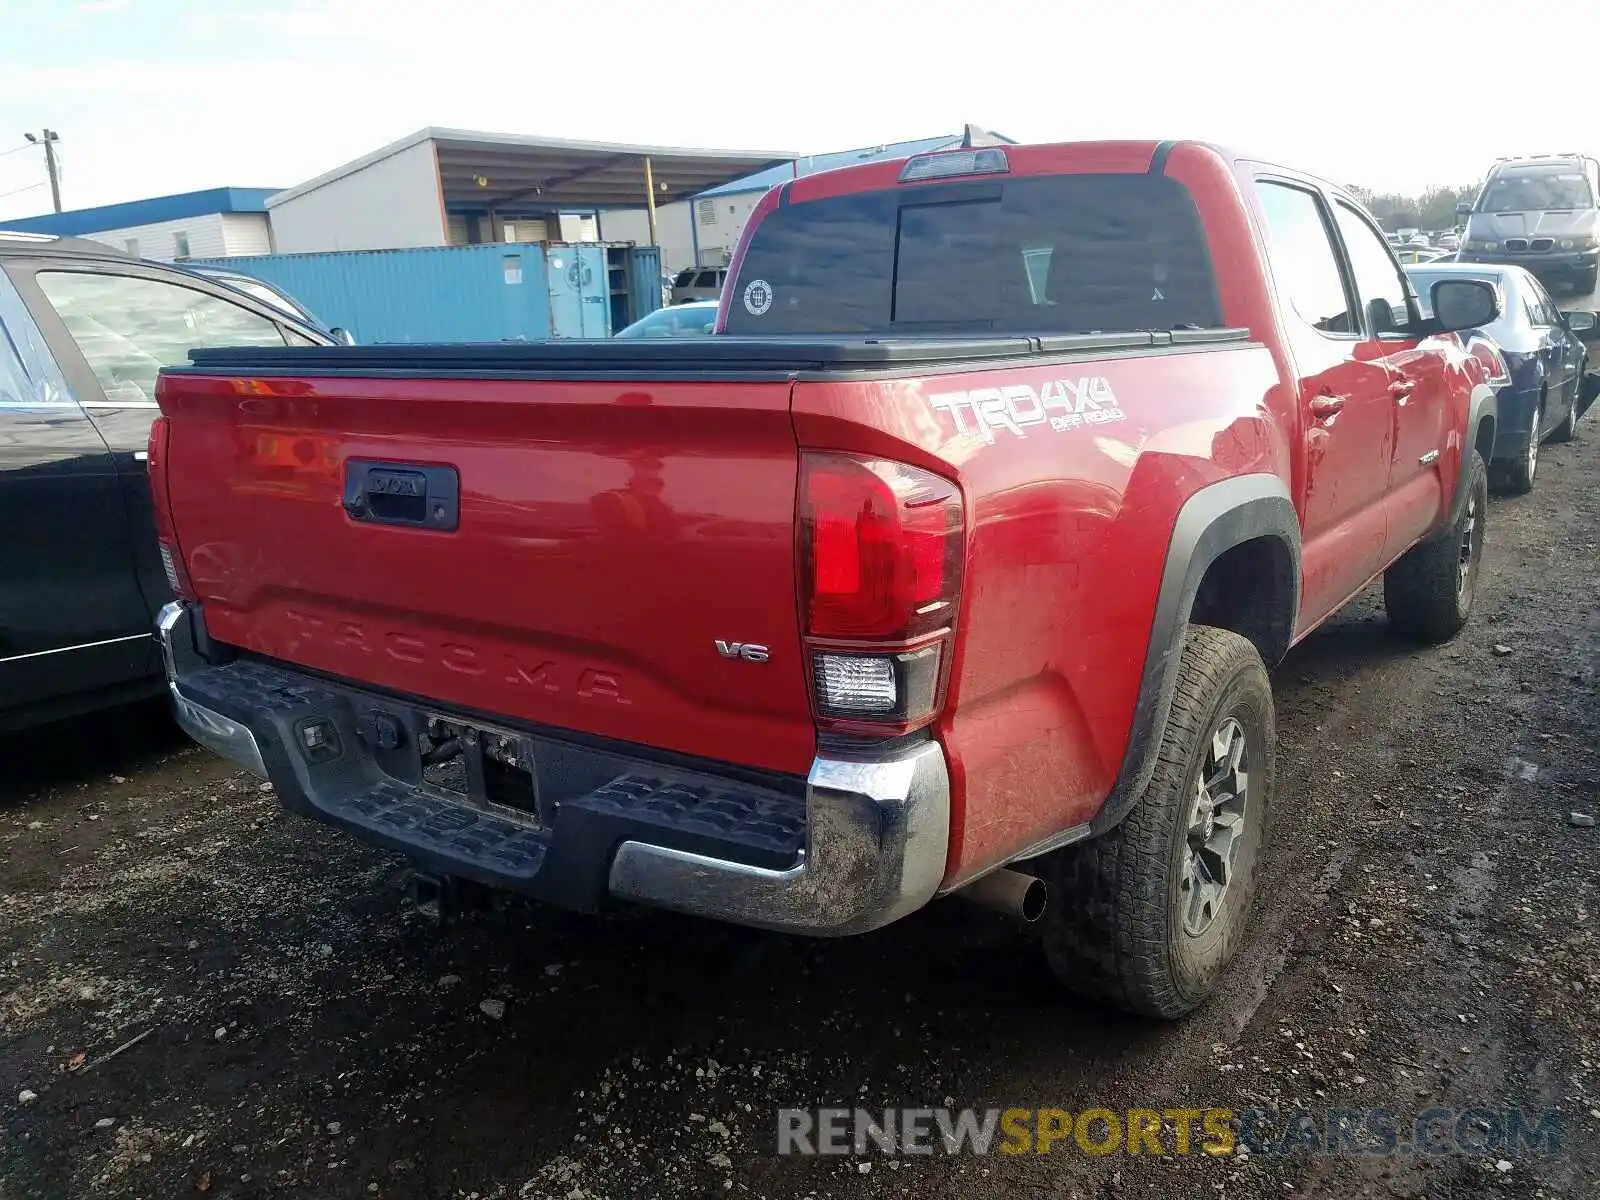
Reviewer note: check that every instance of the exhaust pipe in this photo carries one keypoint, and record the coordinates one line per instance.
(1010, 892)
(440, 899)
(430, 897)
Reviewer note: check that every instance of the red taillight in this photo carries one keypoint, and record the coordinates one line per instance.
(1495, 371)
(166, 535)
(881, 557)
(882, 547)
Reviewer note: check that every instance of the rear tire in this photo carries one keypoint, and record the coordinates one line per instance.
(1515, 478)
(1135, 918)
(1568, 428)
(1428, 593)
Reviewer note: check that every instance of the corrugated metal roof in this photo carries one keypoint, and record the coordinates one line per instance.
(146, 212)
(811, 164)
(553, 170)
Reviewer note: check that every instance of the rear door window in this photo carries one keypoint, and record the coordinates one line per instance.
(1530, 309)
(1546, 309)
(14, 387)
(1034, 255)
(129, 327)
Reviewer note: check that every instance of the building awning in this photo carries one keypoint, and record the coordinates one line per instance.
(157, 209)
(479, 171)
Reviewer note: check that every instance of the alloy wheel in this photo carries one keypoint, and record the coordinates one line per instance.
(1467, 559)
(1216, 826)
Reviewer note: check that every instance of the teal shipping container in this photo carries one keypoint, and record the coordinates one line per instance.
(513, 291)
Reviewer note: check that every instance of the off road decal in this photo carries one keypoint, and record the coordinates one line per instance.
(757, 297)
(1064, 403)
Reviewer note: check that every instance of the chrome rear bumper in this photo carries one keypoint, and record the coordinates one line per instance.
(876, 831)
(212, 730)
(877, 835)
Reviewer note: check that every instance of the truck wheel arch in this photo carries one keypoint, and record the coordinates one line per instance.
(1483, 418)
(1247, 517)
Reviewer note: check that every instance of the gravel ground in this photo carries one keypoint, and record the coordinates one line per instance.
(202, 996)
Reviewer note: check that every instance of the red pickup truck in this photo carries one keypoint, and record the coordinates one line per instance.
(956, 563)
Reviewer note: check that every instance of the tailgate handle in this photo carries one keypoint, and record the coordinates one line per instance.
(391, 493)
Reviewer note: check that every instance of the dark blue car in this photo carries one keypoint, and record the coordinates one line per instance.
(1537, 356)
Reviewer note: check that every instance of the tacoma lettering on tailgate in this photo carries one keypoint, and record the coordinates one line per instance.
(584, 682)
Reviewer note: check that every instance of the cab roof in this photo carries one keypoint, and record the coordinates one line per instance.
(1130, 155)
(15, 241)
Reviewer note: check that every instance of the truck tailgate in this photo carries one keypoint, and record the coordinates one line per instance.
(615, 543)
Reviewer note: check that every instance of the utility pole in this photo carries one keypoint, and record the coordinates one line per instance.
(650, 199)
(48, 140)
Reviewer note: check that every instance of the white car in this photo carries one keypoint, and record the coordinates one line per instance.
(698, 283)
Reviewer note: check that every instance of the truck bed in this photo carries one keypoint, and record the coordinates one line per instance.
(624, 519)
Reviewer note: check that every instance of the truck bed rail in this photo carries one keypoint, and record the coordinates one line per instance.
(716, 356)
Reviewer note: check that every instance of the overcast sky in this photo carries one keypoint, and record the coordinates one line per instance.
(158, 96)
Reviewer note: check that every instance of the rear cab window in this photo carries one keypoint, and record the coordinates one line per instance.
(1056, 254)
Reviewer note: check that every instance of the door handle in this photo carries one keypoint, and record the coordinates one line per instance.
(1401, 389)
(1327, 405)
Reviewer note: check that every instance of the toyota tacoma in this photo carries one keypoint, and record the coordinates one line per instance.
(954, 564)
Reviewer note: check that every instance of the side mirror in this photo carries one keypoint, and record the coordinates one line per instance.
(343, 336)
(1464, 304)
(1582, 323)
(1463, 210)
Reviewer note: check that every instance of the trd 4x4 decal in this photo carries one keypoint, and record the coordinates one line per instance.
(1064, 403)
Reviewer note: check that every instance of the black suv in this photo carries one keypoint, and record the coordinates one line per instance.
(83, 331)
(1540, 213)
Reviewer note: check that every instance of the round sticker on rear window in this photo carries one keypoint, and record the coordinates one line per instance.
(757, 297)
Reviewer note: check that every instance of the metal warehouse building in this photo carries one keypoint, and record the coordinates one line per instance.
(214, 223)
(459, 187)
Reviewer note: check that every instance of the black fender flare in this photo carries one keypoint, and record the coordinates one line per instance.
(1483, 404)
(1211, 522)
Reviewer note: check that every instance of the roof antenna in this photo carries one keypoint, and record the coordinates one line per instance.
(973, 136)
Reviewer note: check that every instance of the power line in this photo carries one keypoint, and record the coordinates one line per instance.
(14, 149)
(20, 190)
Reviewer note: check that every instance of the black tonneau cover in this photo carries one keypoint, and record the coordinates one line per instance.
(716, 356)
